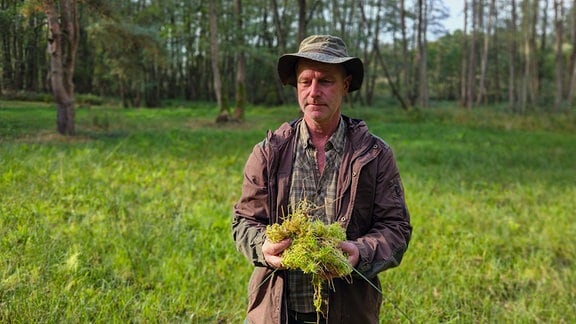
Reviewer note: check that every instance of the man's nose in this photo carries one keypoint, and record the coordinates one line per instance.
(314, 88)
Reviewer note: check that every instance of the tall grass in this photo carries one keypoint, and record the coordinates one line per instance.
(130, 220)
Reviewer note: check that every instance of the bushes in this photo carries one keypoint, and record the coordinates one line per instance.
(82, 100)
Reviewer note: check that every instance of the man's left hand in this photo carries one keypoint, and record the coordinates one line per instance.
(353, 254)
(351, 250)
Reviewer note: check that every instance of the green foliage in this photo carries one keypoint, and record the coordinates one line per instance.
(88, 100)
(132, 223)
(130, 54)
(27, 96)
(314, 248)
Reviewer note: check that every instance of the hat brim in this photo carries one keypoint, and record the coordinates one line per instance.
(287, 67)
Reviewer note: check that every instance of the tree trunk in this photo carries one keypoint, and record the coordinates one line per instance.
(512, 57)
(62, 46)
(558, 29)
(497, 96)
(7, 71)
(542, 46)
(367, 51)
(404, 84)
(423, 53)
(281, 36)
(7, 36)
(390, 80)
(420, 59)
(302, 21)
(464, 63)
(572, 66)
(339, 17)
(484, 58)
(471, 76)
(223, 115)
(533, 66)
(528, 86)
(240, 64)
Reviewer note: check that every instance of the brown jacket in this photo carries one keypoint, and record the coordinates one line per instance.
(371, 208)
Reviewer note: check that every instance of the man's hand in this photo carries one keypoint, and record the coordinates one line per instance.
(353, 254)
(273, 252)
(351, 250)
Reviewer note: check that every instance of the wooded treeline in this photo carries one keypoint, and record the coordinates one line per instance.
(519, 52)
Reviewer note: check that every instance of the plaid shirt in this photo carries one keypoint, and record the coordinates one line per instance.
(320, 189)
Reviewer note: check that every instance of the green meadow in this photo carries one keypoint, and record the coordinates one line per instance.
(129, 221)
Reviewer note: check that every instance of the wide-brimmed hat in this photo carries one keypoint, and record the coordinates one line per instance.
(325, 49)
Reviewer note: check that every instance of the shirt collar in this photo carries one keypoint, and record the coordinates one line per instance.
(337, 139)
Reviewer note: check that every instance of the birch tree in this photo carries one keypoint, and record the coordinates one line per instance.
(484, 56)
(471, 65)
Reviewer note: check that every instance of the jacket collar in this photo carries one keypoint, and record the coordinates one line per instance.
(357, 131)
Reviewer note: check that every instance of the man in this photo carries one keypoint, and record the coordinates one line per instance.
(334, 162)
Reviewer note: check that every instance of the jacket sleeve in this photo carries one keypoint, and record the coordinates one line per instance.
(384, 243)
(251, 212)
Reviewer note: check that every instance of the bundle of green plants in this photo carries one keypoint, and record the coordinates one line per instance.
(314, 249)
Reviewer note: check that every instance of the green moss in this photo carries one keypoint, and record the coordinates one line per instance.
(314, 248)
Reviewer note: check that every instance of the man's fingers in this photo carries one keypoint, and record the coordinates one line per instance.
(352, 251)
(272, 252)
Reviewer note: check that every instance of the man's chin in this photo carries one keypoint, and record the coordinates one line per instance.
(316, 116)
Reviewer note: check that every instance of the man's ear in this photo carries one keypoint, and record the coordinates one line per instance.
(347, 82)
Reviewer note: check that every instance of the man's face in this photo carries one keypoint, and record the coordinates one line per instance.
(321, 88)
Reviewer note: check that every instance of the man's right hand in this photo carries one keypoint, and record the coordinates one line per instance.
(273, 252)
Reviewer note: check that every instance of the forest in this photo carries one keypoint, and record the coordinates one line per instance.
(128, 220)
(516, 53)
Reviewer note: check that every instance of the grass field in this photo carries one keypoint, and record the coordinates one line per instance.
(129, 221)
